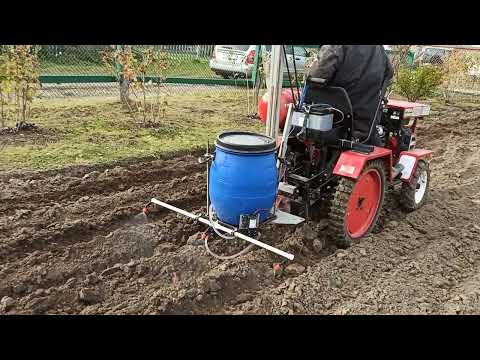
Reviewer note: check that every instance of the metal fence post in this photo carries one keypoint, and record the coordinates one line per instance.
(256, 80)
(276, 79)
(256, 64)
(410, 58)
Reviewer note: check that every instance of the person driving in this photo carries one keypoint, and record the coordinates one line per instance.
(363, 71)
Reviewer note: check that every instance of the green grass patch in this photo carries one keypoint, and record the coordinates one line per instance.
(102, 131)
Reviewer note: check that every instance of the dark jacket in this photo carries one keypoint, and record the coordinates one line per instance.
(361, 70)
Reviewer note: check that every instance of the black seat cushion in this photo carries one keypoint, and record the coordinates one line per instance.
(334, 96)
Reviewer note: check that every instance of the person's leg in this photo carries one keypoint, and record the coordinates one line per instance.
(361, 128)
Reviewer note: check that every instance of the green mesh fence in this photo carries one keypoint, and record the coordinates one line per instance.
(185, 61)
(69, 70)
(72, 60)
(189, 61)
(78, 70)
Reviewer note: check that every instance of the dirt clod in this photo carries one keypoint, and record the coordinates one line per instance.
(89, 296)
(42, 304)
(195, 240)
(318, 245)
(294, 269)
(6, 303)
(142, 269)
(111, 270)
(91, 279)
(70, 282)
(19, 289)
(54, 275)
(309, 233)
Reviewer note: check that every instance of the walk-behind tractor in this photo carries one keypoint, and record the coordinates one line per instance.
(315, 169)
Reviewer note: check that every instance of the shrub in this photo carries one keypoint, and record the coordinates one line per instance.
(418, 82)
(455, 73)
(132, 68)
(19, 83)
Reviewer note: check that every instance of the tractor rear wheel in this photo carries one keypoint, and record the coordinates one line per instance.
(357, 204)
(414, 194)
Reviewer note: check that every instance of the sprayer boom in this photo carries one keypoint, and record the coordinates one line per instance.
(224, 229)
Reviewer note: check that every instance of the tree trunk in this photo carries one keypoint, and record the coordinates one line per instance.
(124, 84)
(124, 90)
(2, 113)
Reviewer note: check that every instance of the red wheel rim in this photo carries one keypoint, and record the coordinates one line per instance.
(363, 204)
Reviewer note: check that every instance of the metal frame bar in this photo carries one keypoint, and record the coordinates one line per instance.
(258, 59)
(275, 91)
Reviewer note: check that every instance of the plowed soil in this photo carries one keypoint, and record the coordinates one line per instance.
(71, 243)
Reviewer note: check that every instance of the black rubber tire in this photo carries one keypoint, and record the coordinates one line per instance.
(339, 206)
(407, 193)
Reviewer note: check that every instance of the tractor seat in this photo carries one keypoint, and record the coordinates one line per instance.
(338, 98)
(334, 96)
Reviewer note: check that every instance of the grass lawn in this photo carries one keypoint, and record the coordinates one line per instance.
(181, 65)
(100, 130)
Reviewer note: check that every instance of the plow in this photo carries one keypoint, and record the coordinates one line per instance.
(315, 168)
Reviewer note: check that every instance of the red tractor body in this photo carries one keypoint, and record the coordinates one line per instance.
(327, 167)
(350, 163)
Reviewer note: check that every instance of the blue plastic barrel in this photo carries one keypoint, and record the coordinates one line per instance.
(243, 176)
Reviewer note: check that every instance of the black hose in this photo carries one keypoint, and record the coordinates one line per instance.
(288, 72)
(229, 257)
(383, 89)
(295, 70)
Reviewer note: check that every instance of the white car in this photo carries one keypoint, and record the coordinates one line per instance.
(237, 61)
(474, 71)
(434, 55)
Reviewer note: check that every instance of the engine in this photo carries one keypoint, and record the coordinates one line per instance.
(398, 125)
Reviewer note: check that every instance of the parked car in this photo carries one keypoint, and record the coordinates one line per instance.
(433, 55)
(299, 53)
(232, 61)
(437, 55)
(474, 71)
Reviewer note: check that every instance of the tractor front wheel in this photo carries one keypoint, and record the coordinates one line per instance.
(357, 204)
(414, 193)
